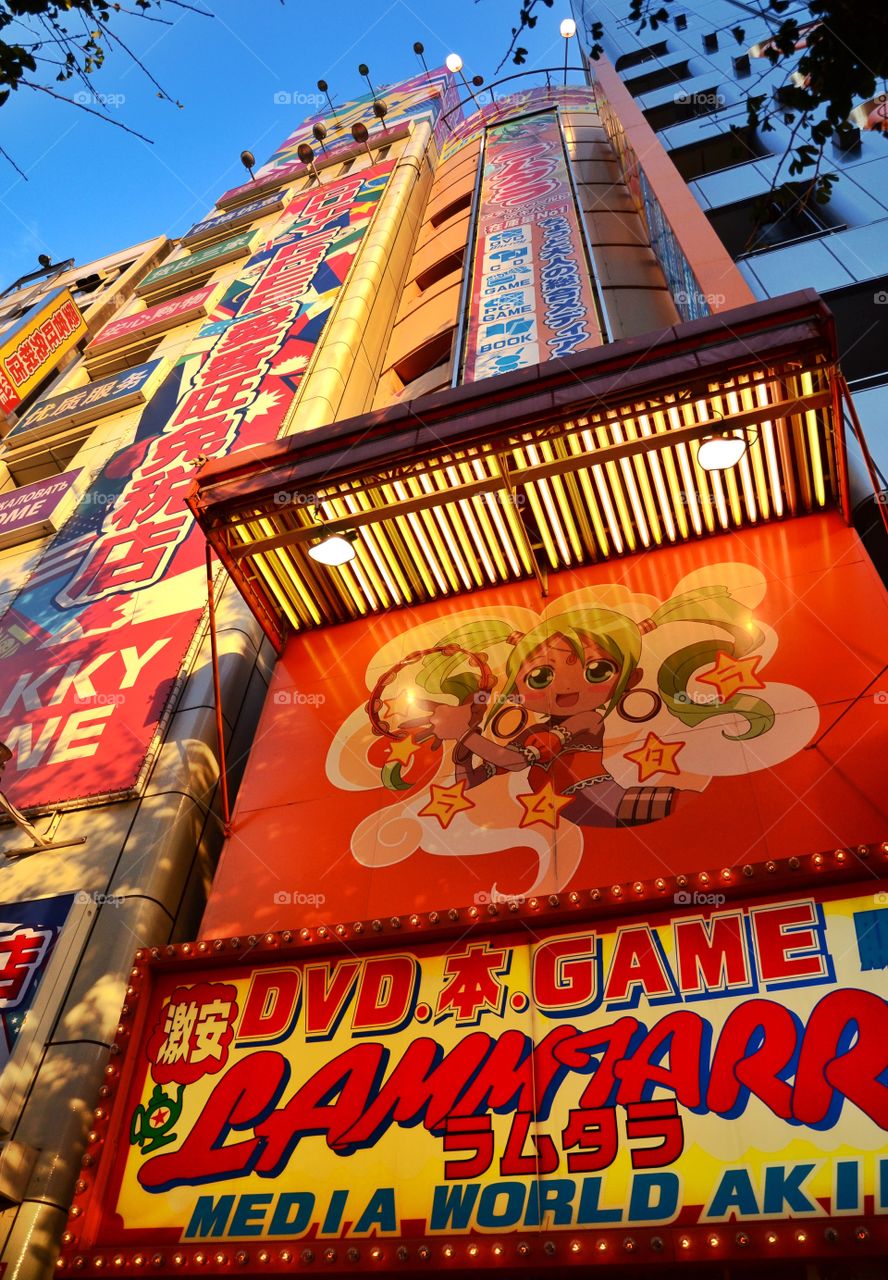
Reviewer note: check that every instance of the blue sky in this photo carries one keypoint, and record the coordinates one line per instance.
(93, 189)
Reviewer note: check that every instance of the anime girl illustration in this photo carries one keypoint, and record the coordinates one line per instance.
(548, 734)
(569, 674)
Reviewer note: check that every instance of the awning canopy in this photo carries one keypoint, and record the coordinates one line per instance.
(565, 464)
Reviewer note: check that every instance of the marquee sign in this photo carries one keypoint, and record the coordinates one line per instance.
(235, 218)
(533, 297)
(515, 1095)
(28, 934)
(32, 348)
(190, 264)
(165, 315)
(90, 402)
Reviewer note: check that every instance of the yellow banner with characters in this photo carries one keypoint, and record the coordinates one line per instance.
(720, 1063)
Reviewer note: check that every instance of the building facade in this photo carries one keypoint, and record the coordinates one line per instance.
(541, 741)
(689, 79)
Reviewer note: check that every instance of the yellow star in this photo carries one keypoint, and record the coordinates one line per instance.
(655, 756)
(404, 751)
(447, 802)
(730, 675)
(543, 807)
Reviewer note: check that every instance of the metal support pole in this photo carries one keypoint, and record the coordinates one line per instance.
(217, 697)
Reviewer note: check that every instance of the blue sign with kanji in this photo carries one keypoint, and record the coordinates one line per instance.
(28, 933)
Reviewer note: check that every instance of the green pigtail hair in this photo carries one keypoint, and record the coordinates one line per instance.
(451, 673)
(713, 606)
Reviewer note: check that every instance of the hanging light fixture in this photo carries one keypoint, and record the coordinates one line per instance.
(568, 29)
(722, 450)
(453, 62)
(335, 549)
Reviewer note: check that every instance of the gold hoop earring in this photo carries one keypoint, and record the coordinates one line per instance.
(656, 704)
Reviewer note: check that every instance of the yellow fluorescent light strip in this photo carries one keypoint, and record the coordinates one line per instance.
(466, 515)
(770, 449)
(563, 503)
(544, 490)
(666, 459)
(416, 559)
(395, 586)
(435, 523)
(592, 511)
(607, 507)
(612, 480)
(722, 480)
(748, 402)
(502, 535)
(378, 595)
(422, 542)
(654, 462)
(697, 480)
(814, 443)
(446, 481)
(537, 510)
(303, 597)
(446, 533)
(735, 406)
(490, 541)
(627, 431)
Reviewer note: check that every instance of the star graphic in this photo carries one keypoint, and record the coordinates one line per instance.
(159, 1116)
(543, 807)
(402, 751)
(730, 675)
(655, 756)
(447, 802)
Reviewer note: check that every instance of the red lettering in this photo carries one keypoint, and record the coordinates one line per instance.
(711, 954)
(565, 973)
(637, 964)
(271, 1004)
(326, 996)
(757, 1043)
(680, 1036)
(843, 1049)
(386, 993)
(787, 942)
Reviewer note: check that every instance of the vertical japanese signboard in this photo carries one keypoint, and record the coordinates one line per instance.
(92, 645)
(532, 295)
(677, 1074)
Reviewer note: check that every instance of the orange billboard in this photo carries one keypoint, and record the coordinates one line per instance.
(669, 714)
(694, 1079)
(33, 347)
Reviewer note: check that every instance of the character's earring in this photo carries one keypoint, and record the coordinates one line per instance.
(496, 724)
(656, 703)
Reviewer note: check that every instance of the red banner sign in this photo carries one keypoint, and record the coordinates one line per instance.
(92, 645)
